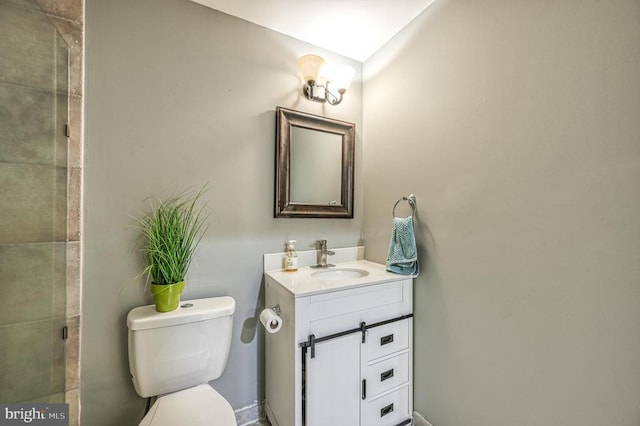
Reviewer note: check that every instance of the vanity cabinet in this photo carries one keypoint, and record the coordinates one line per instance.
(344, 354)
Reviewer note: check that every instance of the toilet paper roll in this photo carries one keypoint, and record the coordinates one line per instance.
(270, 320)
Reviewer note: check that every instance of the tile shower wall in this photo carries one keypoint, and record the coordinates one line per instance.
(40, 92)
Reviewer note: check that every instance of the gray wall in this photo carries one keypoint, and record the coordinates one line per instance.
(516, 125)
(178, 95)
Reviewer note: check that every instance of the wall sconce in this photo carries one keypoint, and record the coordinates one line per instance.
(323, 80)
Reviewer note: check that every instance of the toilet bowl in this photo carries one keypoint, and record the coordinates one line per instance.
(197, 406)
(175, 355)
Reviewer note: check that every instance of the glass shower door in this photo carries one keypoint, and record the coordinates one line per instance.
(33, 204)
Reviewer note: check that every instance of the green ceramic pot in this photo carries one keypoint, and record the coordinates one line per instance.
(167, 296)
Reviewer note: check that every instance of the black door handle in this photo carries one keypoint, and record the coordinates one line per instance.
(385, 340)
(386, 410)
(386, 375)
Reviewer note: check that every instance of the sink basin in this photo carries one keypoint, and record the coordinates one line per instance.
(339, 274)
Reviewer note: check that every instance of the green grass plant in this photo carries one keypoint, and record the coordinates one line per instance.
(170, 234)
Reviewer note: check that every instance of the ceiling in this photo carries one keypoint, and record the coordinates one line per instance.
(353, 28)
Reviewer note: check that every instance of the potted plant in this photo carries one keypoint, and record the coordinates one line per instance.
(169, 235)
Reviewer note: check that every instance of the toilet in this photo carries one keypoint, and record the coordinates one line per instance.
(174, 355)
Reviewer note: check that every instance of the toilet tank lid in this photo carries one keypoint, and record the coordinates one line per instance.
(146, 317)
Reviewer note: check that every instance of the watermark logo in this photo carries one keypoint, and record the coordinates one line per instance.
(34, 414)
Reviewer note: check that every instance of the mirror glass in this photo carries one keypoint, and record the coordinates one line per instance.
(314, 166)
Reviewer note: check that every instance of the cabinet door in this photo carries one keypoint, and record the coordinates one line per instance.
(333, 383)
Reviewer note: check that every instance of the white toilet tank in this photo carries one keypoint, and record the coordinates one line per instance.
(170, 351)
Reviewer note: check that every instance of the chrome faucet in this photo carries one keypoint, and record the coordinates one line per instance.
(321, 245)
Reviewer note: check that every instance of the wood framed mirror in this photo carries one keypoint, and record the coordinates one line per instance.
(314, 165)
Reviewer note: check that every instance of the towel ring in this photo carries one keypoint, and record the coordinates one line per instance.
(411, 199)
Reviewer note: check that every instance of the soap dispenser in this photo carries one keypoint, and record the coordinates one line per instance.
(291, 261)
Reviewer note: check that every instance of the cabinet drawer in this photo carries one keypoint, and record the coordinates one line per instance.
(387, 339)
(386, 375)
(388, 410)
(370, 304)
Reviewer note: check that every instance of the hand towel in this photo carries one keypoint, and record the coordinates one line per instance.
(403, 255)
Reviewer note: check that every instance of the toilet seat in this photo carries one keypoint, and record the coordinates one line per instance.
(197, 406)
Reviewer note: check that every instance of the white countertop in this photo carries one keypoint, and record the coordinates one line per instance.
(302, 283)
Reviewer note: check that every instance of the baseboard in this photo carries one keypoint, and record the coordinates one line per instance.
(269, 414)
(418, 420)
(250, 413)
(255, 412)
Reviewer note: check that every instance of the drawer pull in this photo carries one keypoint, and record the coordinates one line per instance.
(385, 340)
(386, 410)
(364, 389)
(386, 375)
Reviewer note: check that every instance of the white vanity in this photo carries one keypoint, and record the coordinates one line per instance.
(343, 356)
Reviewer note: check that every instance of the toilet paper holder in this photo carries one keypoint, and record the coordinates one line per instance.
(271, 319)
(276, 309)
